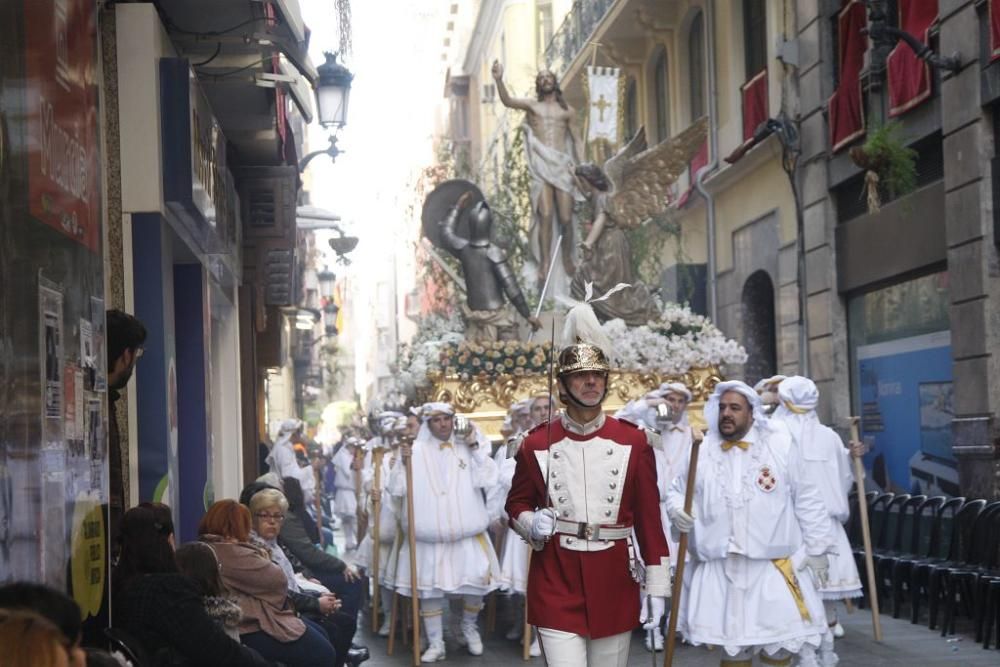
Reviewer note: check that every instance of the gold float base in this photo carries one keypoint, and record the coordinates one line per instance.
(486, 399)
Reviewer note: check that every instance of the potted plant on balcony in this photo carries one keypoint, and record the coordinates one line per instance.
(888, 162)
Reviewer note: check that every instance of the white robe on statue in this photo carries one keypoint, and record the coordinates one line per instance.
(751, 507)
(454, 553)
(556, 168)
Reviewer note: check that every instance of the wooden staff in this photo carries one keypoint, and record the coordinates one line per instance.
(377, 454)
(359, 513)
(319, 505)
(526, 649)
(392, 623)
(412, 539)
(675, 601)
(866, 536)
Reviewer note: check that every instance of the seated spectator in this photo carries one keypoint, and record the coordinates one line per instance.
(30, 640)
(160, 607)
(270, 624)
(299, 537)
(269, 508)
(198, 563)
(55, 606)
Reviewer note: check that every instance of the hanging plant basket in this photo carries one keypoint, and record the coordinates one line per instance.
(890, 165)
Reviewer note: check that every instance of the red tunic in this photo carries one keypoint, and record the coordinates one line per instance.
(591, 594)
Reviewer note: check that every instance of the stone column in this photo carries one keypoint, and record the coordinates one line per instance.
(972, 257)
(827, 322)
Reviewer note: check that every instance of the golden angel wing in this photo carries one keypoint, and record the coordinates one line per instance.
(644, 187)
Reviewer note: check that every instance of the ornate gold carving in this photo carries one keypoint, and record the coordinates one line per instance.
(485, 399)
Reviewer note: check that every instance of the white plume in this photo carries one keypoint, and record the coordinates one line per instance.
(581, 322)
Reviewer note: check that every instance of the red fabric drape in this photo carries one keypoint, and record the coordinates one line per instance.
(909, 76)
(994, 10)
(755, 106)
(699, 160)
(847, 116)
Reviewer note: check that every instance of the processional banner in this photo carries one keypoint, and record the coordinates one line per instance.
(603, 85)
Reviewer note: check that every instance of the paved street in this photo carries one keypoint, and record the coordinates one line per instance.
(904, 644)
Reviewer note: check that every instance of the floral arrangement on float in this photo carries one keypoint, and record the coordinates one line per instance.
(679, 341)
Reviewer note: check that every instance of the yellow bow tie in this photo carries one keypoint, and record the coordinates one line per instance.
(446, 445)
(742, 444)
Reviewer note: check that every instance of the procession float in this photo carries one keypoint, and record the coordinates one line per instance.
(557, 234)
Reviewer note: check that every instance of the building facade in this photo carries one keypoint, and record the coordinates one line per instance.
(889, 310)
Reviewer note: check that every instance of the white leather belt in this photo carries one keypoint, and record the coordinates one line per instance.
(593, 532)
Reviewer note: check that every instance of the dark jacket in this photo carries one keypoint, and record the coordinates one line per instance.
(295, 539)
(166, 614)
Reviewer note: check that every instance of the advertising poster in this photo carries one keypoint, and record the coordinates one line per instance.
(50, 339)
(63, 164)
(98, 346)
(906, 413)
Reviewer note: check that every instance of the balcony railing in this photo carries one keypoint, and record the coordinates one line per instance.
(574, 33)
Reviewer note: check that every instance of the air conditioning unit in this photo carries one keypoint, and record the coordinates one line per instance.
(267, 197)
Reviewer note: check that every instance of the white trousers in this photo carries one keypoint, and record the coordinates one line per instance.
(565, 649)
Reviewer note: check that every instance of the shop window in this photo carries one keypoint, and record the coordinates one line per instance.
(901, 383)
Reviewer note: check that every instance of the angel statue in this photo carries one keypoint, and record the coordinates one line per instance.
(631, 188)
(456, 218)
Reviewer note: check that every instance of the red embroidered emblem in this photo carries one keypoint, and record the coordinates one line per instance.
(766, 480)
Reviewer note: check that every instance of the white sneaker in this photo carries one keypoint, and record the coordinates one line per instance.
(515, 632)
(386, 624)
(838, 630)
(535, 650)
(472, 638)
(828, 659)
(434, 653)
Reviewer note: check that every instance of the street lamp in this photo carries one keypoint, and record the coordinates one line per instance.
(327, 280)
(333, 92)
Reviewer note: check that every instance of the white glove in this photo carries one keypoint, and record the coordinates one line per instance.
(820, 568)
(681, 520)
(659, 607)
(543, 525)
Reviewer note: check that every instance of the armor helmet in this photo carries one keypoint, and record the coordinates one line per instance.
(583, 357)
(480, 220)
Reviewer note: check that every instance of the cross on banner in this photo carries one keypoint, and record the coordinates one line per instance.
(602, 83)
(601, 105)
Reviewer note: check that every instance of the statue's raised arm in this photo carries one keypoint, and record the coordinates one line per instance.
(520, 103)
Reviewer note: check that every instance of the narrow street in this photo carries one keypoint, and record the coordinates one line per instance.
(904, 644)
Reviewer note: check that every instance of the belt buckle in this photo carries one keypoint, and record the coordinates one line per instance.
(586, 531)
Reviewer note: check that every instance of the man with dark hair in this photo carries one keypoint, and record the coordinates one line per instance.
(125, 338)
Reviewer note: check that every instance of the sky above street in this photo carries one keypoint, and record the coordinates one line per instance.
(398, 82)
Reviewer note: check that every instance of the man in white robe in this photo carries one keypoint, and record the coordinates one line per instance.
(670, 436)
(759, 535)
(827, 462)
(282, 460)
(453, 552)
(345, 482)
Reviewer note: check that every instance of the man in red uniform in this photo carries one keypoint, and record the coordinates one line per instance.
(582, 484)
